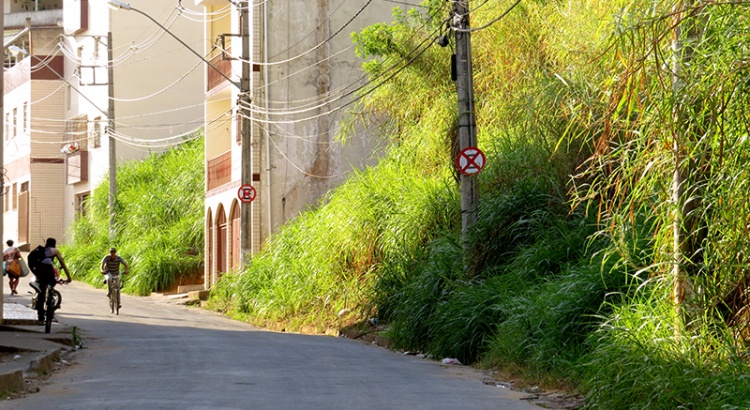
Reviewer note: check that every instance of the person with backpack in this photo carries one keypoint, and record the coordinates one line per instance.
(11, 257)
(45, 272)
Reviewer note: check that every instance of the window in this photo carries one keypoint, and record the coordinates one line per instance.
(7, 126)
(82, 203)
(96, 133)
(15, 196)
(76, 129)
(6, 194)
(15, 122)
(25, 123)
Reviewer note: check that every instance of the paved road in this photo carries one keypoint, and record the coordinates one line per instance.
(158, 355)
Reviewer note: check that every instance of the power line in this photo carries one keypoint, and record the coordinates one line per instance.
(493, 21)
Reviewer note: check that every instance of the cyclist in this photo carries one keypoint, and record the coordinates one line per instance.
(45, 274)
(111, 265)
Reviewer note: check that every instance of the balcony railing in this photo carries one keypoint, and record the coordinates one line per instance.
(219, 170)
(47, 17)
(214, 78)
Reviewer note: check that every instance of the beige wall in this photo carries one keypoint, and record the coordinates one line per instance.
(306, 161)
(47, 180)
(159, 83)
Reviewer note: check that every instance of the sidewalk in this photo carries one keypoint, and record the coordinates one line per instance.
(25, 350)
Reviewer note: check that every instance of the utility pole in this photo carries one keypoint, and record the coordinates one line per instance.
(111, 132)
(246, 214)
(466, 122)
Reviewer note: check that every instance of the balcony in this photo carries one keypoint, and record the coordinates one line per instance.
(214, 78)
(219, 171)
(44, 17)
(77, 167)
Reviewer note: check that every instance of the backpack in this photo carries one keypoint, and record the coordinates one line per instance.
(35, 258)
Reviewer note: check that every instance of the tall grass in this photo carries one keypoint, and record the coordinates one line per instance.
(326, 281)
(158, 226)
(575, 111)
(645, 366)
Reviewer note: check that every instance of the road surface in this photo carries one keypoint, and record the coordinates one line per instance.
(160, 355)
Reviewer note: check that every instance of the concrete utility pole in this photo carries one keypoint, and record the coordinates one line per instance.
(246, 215)
(466, 122)
(112, 142)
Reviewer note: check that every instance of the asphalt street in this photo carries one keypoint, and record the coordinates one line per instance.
(160, 355)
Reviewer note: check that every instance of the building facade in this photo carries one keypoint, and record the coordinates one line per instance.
(275, 128)
(78, 76)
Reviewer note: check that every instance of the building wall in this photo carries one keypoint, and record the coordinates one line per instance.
(306, 161)
(159, 84)
(16, 145)
(47, 177)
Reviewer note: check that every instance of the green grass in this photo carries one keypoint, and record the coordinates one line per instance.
(159, 223)
(567, 273)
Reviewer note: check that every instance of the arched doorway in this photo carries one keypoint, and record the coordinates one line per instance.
(221, 241)
(234, 261)
(209, 272)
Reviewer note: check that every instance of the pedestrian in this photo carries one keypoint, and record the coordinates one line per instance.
(45, 274)
(111, 265)
(12, 257)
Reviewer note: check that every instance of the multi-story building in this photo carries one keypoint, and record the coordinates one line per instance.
(290, 83)
(32, 211)
(78, 76)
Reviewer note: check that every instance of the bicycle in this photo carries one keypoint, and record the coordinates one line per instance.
(51, 304)
(113, 291)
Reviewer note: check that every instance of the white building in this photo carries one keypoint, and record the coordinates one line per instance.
(58, 93)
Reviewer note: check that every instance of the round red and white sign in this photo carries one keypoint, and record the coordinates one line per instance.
(246, 193)
(470, 161)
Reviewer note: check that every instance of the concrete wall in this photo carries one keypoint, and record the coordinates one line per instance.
(158, 81)
(306, 160)
(158, 84)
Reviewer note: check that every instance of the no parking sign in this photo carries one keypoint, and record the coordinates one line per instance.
(246, 193)
(470, 161)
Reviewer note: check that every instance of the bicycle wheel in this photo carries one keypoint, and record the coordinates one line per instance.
(117, 302)
(49, 311)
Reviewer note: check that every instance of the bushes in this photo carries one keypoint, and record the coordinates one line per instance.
(158, 230)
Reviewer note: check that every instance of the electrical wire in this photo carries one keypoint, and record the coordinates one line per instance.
(298, 168)
(328, 95)
(493, 21)
(324, 42)
(254, 109)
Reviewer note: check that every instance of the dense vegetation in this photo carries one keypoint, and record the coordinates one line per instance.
(609, 248)
(158, 230)
(612, 226)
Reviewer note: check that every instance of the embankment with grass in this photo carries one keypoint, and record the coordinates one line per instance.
(158, 224)
(609, 249)
(609, 241)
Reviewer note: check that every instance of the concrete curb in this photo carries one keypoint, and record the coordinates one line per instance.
(26, 349)
(11, 382)
(12, 377)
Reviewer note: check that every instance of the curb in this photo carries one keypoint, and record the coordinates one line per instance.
(12, 381)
